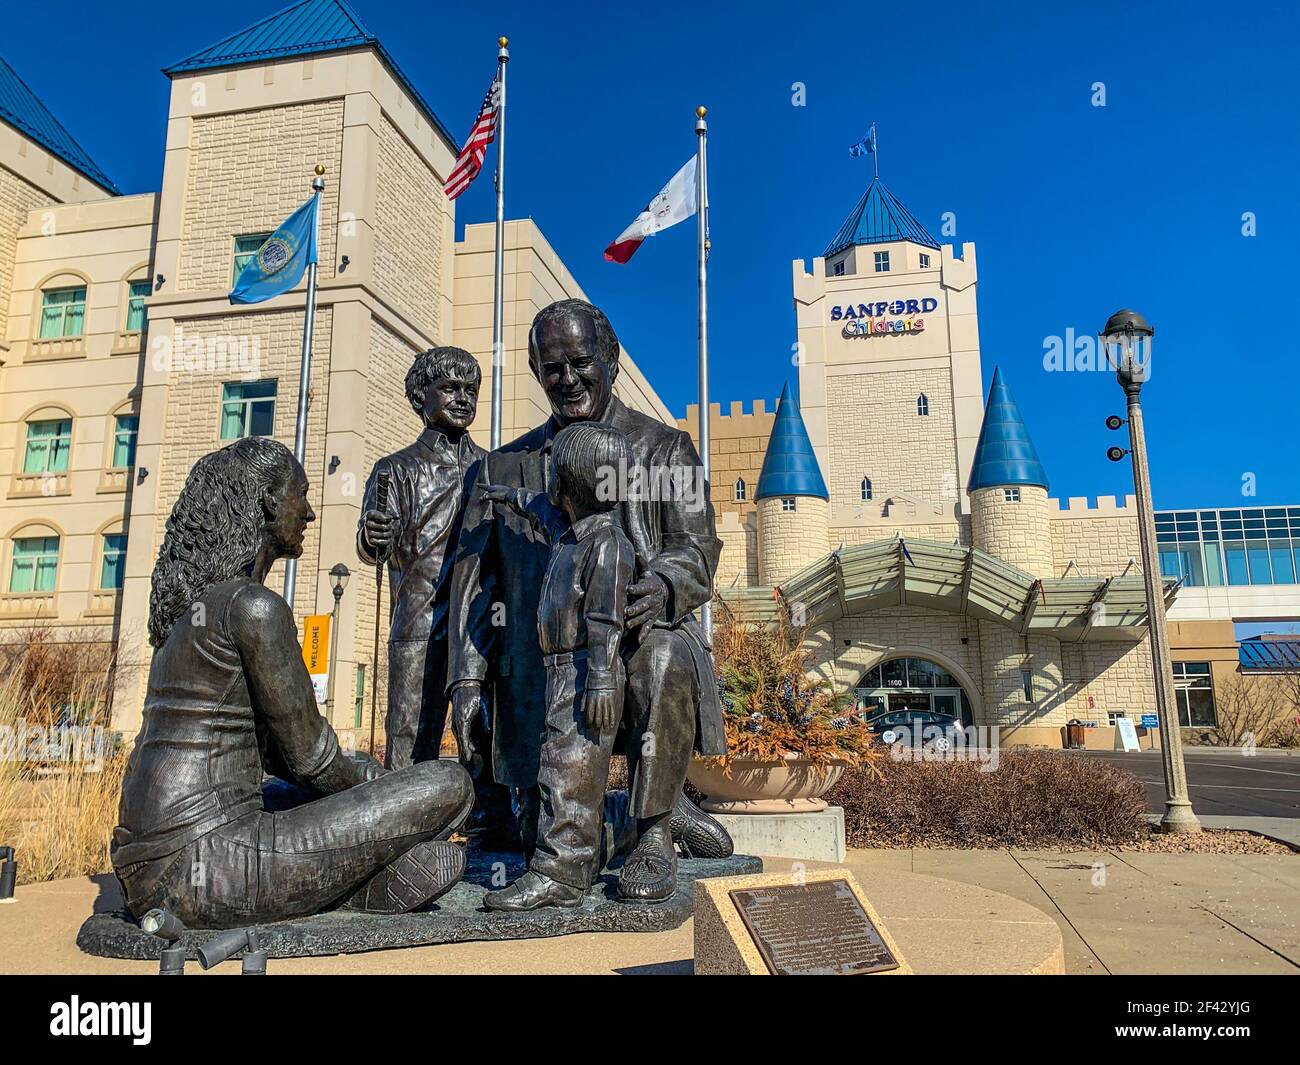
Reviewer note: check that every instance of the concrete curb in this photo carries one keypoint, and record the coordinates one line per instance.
(1284, 830)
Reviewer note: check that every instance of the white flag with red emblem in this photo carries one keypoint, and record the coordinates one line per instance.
(470, 160)
(676, 202)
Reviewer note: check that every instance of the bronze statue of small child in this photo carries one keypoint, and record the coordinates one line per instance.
(580, 628)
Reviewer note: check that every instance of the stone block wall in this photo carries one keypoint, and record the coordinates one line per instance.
(739, 445)
(243, 178)
(1099, 539)
(789, 541)
(874, 431)
(1016, 532)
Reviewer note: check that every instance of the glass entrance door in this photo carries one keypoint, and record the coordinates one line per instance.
(909, 701)
(946, 703)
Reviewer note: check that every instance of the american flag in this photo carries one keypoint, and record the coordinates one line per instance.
(470, 160)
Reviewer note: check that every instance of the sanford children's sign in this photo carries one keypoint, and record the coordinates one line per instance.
(884, 316)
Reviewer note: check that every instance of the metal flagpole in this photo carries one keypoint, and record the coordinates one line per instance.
(498, 297)
(304, 372)
(702, 259)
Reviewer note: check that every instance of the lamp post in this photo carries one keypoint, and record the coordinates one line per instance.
(1126, 339)
(339, 575)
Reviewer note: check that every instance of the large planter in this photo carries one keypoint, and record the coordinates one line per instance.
(791, 785)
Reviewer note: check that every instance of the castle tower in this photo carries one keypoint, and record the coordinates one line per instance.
(1008, 488)
(792, 500)
(890, 385)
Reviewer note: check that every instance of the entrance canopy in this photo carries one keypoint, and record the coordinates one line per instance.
(965, 581)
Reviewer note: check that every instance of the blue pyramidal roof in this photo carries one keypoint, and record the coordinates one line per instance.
(1004, 454)
(309, 27)
(790, 467)
(879, 218)
(20, 107)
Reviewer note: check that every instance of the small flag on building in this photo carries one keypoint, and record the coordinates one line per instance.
(866, 146)
(484, 132)
(906, 553)
(676, 202)
(280, 262)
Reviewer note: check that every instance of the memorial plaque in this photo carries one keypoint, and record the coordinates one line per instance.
(815, 929)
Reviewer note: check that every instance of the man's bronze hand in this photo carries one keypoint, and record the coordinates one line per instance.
(380, 527)
(599, 707)
(497, 493)
(648, 597)
(465, 700)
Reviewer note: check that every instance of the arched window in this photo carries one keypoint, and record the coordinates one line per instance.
(866, 488)
(741, 489)
(63, 312)
(34, 565)
(49, 443)
(923, 405)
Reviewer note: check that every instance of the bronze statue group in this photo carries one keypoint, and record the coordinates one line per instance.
(555, 617)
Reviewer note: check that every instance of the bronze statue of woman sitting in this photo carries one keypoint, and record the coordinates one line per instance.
(229, 698)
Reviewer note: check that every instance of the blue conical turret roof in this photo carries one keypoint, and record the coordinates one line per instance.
(879, 218)
(1004, 455)
(790, 467)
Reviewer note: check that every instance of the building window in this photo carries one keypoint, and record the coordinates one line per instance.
(923, 406)
(925, 261)
(882, 262)
(1011, 495)
(135, 313)
(1113, 717)
(35, 564)
(125, 427)
(247, 409)
(246, 247)
(48, 445)
(113, 569)
(359, 697)
(1027, 684)
(866, 487)
(63, 312)
(788, 504)
(1195, 692)
(740, 488)
(839, 268)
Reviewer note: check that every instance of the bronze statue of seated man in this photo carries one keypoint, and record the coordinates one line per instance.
(229, 698)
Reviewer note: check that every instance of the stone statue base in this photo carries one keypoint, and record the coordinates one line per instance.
(457, 917)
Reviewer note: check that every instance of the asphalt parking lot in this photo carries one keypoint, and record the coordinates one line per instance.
(1226, 782)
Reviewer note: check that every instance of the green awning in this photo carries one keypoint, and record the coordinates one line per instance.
(955, 580)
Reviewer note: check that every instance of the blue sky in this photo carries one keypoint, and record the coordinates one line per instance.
(982, 110)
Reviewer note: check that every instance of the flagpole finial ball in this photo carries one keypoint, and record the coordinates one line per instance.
(701, 111)
(320, 170)
(503, 41)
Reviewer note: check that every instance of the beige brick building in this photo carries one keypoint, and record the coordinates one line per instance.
(124, 362)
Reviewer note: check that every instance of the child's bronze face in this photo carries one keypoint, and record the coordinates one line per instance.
(450, 403)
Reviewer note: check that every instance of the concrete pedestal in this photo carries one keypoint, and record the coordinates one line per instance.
(817, 837)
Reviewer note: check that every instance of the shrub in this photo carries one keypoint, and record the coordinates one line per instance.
(1032, 799)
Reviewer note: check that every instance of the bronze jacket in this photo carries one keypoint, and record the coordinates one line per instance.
(501, 564)
(429, 483)
(228, 699)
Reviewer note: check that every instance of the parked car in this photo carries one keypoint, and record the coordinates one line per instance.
(917, 727)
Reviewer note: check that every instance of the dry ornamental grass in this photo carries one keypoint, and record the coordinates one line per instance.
(60, 774)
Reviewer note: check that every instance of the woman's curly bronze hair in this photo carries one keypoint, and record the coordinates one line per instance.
(215, 527)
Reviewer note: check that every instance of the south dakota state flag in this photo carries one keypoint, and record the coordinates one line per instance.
(279, 264)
